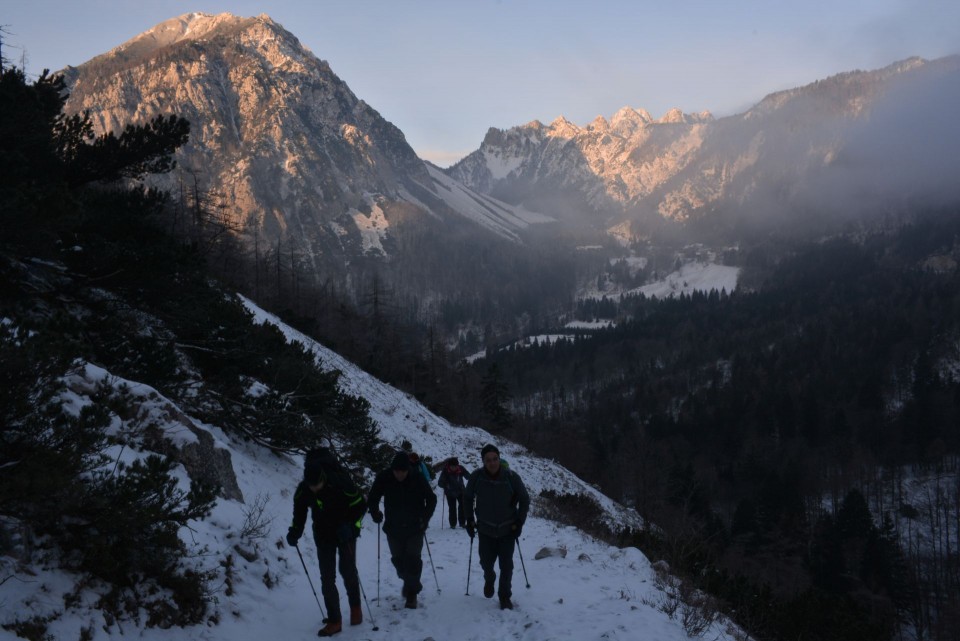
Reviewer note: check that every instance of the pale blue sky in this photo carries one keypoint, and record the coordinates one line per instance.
(444, 71)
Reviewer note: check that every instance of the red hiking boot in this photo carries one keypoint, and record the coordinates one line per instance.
(330, 629)
(356, 615)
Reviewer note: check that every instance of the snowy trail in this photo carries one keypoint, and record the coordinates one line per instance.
(260, 591)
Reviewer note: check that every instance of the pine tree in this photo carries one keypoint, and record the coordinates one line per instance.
(494, 395)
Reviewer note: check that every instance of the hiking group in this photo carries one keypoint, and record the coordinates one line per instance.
(491, 504)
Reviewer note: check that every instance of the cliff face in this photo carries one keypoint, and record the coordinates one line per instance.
(276, 135)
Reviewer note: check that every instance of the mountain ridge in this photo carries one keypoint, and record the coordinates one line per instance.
(682, 167)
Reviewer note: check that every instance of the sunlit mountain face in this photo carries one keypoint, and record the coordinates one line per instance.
(830, 151)
(284, 151)
(311, 177)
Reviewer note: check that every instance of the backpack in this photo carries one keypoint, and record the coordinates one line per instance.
(419, 465)
(325, 459)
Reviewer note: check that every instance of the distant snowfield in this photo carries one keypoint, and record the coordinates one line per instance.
(692, 277)
(594, 324)
(373, 226)
(550, 339)
(497, 216)
(593, 592)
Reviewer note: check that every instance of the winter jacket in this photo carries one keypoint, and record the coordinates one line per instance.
(408, 504)
(452, 480)
(498, 501)
(337, 510)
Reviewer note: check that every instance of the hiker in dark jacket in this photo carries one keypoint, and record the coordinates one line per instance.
(337, 507)
(453, 482)
(500, 501)
(409, 502)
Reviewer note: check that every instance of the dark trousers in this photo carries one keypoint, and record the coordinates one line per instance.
(405, 554)
(327, 555)
(492, 549)
(456, 510)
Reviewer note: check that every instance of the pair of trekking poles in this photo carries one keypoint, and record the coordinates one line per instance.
(353, 550)
(470, 565)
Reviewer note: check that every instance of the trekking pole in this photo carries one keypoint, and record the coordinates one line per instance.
(469, 565)
(430, 556)
(307, 572)
(353, 549)
(523, 565)
(378, 565)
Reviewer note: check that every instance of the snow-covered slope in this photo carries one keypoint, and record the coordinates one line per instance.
(691, 277)
(497, 216)
(588, 591)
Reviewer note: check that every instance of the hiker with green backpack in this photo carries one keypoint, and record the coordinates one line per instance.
(337, 507)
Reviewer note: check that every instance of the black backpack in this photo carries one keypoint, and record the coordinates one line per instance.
(326, 460)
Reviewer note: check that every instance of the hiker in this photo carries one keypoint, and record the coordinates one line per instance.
(416, 463)
(496, 495)
(452, 482)
(337, 507)
(409, 502)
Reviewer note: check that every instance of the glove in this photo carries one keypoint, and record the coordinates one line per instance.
(516, 529)
(292, 537)
(471, 528)
(424, 524)
(346, 532)
(376, 515)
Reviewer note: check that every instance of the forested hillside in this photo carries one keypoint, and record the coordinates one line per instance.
(748, 425)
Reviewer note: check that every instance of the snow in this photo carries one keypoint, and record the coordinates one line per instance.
(593, 591)
(594, 324)
(700, 277)
(499, 165)
(495, 215)
(691, 277)
(373, 227)
(634, 263)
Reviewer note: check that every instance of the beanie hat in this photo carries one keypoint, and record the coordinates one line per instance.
(400, 462)
(406, 446)
(313, 473)
(489, 447)
(454, 461)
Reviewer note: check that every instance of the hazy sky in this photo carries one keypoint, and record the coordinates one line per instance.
(444, 71)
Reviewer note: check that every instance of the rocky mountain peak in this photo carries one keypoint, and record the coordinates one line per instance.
(673, 116)
(195, 27)
(563, 128)
(599, 124)
(274, 132)
(628, 120)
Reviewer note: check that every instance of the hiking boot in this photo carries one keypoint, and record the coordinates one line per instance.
(330, 629)
(488, 587)
(411, 603)
(356, 615)
(506, 603)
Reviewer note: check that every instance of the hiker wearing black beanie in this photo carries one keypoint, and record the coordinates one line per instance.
(497, 505)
